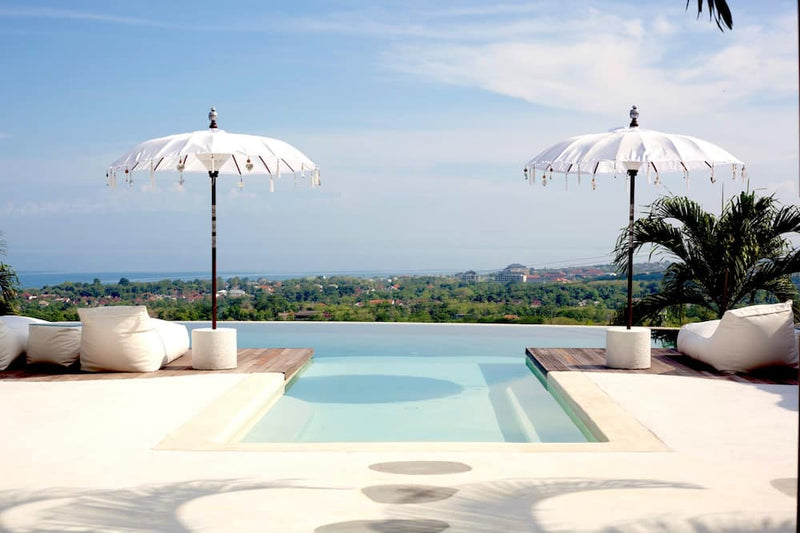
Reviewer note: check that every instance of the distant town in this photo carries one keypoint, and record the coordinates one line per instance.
(517, 273)
(514, 294)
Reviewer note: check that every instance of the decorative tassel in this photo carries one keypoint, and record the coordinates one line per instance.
(566, 178)
(594, 183)
(181, 166)
(544, 180)
(241, 183)
(657, 181)
(628, 182)
(271, 184)
(152, 176)
(733, 168)
(579, 175)
(713, 178)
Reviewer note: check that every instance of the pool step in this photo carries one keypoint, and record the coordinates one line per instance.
(287, 421)
(538, 415)
(525, 423)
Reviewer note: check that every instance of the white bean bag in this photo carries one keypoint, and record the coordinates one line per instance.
(175, 338)
(126, 339)
(14, 337)
(10, 347)
(54, 344)
(744, 339)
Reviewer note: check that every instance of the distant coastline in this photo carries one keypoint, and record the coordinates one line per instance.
(37, 279)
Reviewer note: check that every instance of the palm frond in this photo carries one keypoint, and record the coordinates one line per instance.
(9, 283)
(8, 289)
(718, 11)
(718, 262)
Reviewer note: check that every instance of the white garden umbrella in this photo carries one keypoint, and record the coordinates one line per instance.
(215, 151)
(630, 150)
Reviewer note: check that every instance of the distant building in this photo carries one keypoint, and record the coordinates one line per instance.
(305, 315)
(513, 273)
(233, 293)
(470, 276)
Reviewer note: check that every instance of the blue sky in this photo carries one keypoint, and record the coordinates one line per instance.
(420, 115)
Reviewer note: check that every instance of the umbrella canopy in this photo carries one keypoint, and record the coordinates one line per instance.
(629, 150)
(622, 149)
(214, 151)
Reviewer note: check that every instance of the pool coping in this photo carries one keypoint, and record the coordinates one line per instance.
(222, 424)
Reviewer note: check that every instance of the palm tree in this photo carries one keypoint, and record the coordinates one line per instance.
(8, 285)
(718, 262)
(718, 11)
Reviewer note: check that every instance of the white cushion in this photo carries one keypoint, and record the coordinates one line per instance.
(54, 344)
(10, 347)
(120, 338)
(744, 339)
(175, 338)
(692, 338)
(19, 325)
(13, 337)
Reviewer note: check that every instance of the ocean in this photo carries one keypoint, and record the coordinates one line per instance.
(39, 279)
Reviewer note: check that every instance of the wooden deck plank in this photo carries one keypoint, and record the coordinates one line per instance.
(664, 361)
(249, 360)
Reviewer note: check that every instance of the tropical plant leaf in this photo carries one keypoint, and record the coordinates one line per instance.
(9, 284)
(718, 263)
(718, 11)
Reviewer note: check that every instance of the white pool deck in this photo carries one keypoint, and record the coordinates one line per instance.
(86, 456)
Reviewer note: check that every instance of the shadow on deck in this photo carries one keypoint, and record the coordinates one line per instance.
(665, 361)
(250, 360)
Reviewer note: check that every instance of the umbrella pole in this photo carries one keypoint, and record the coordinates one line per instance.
(213, 175)
(629, 311)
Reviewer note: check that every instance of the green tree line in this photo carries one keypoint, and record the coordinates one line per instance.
(342, 298)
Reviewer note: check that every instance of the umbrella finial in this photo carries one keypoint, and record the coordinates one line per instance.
(212, 116)
(634, 114)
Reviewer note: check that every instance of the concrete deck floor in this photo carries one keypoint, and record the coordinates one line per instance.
(81, 456)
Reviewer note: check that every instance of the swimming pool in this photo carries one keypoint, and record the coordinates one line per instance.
(403, 382)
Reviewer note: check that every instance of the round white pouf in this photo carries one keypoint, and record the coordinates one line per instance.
(628, 348)
(214, 349)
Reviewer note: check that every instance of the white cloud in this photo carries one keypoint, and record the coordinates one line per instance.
(49, 207)
(466, 25)
(486, 10)
(612, 63)
(68, 14)
(662, 26)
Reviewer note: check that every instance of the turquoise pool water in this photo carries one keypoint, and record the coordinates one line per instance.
(415, 383)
